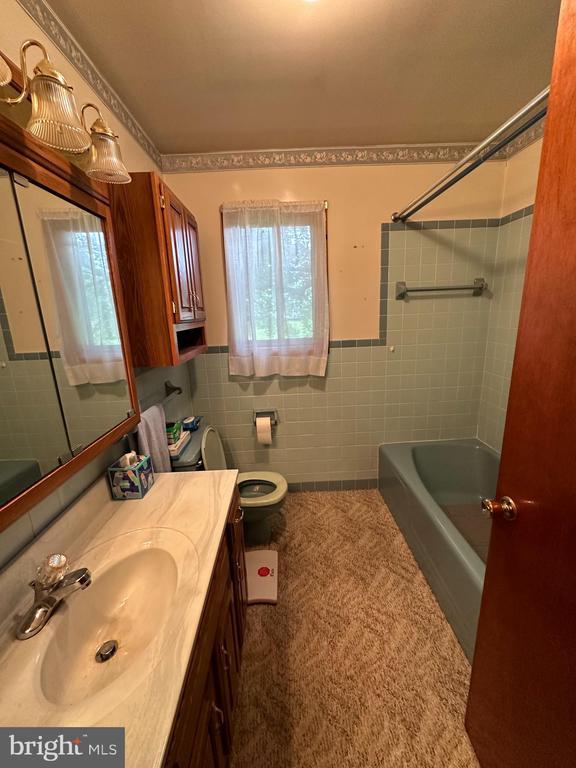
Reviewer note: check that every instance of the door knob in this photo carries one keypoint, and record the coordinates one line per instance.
(504, 508)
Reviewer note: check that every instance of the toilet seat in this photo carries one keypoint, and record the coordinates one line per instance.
(275, 495)
(273, 487)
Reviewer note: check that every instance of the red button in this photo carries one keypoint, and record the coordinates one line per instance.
(263, 571)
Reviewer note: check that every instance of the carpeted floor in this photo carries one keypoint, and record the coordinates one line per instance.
(356, 666)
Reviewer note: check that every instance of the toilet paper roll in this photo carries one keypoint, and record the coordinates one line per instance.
(264, 430)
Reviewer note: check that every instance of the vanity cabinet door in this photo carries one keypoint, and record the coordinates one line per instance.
(210, 745)
(226, 663)
(238, 569)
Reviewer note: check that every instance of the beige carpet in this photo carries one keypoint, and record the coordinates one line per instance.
(356, 666)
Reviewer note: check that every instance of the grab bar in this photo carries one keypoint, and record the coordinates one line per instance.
(478, 287)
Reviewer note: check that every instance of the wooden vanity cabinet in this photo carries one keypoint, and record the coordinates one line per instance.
(202, 730)
(157, 241)
(235, 532)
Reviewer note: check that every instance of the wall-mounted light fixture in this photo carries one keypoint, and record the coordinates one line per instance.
(55, 119)
(5, 72)
(105, 163)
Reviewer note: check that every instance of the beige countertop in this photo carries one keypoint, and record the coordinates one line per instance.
(151, 561)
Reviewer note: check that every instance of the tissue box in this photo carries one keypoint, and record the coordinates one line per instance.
(132, 482)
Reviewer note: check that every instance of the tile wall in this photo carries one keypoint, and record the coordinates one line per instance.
(510, 264)
(30, 418)
(31, 424)
(420, 381)
(440, 369)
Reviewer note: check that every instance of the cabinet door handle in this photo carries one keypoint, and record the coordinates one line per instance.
(191, 301)
(240, 516)
(219, 716)
(239, 570)
(225, 657)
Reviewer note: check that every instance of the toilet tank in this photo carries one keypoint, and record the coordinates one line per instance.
(191, 458)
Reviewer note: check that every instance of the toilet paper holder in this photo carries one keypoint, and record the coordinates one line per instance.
(271, 412)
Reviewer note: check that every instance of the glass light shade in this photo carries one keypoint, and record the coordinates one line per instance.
(5, 72)
(105, 163)
(55, 120)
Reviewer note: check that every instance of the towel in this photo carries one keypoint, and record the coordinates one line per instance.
(152, 438)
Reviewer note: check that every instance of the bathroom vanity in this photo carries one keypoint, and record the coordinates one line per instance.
(169, 587)
(202, 729)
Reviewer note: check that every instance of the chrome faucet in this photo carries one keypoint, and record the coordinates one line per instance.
(53, 584)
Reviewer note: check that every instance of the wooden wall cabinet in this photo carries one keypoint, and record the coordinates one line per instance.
(157, 243)
(202, 730)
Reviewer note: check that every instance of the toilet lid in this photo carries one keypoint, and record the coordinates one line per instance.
(212, 451)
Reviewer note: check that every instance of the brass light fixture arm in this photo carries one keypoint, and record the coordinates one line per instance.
(23, 48)
(84, 108)
(98, 126)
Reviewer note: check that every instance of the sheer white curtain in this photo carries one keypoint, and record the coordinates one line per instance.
(277, 287)
(89, 336)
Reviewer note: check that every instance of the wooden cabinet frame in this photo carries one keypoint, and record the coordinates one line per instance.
(160, 271)
(22, 153)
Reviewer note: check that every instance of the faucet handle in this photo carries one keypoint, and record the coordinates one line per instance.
(51, 571)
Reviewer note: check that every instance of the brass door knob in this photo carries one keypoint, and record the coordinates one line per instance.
(504, 508)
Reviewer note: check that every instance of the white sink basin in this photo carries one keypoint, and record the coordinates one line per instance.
(141, 582)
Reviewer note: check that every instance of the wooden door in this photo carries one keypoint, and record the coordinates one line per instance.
(522, 702)
(194, 266)
(177, 242)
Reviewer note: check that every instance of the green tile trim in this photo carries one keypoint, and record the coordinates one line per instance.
(334, 485)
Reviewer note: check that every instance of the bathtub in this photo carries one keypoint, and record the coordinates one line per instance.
(433, 490)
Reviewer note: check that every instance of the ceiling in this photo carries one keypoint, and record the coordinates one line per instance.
(216, 75)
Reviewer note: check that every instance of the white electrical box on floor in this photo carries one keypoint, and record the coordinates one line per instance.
(262, 576)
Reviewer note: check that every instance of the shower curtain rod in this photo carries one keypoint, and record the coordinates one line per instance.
(485, 150)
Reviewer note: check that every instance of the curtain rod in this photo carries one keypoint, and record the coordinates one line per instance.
(281, 201)
(485, 150)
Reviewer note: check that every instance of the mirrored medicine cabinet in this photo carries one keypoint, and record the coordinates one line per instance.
(66, 381)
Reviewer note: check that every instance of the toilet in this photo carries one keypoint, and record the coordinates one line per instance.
(261, 493)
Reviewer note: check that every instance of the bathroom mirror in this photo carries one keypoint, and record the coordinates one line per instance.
(32, 430)
(69, 261)
(66, 382)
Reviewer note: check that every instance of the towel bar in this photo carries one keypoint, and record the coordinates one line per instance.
(478, 287)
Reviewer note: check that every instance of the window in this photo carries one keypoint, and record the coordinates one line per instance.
(277, 287)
